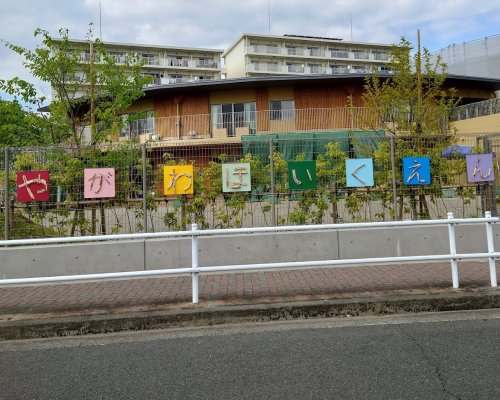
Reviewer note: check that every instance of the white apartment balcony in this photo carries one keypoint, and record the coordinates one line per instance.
(263, 49)
(150, 60)
(315, 69)
(380, 56)
(339, 54)
(295, 68)
(298, 69)
(339, 71)
(361, 55)
(153, 60)
(319, 53)
(190, 63)
(265, 68)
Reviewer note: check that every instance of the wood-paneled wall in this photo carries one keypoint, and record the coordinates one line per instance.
(168, 107)
(324, 97)
(262, 103)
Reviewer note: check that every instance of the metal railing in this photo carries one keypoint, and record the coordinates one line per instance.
(475, 110)
(196, 270)
(316, 52)
(205, 125)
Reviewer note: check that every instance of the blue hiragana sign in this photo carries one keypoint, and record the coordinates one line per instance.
(417, 170)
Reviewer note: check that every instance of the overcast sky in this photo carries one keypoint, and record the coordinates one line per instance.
(218, 23)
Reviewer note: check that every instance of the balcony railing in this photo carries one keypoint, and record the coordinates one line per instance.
(189, 63)
(339, 54)
(316, 69)
(361, 56)
(261, 67)
(380, 56)
(316, 52)
(295, 68)
(151, 60)
(299, 69)
(233, 125)
(340, 71)
(263, 49)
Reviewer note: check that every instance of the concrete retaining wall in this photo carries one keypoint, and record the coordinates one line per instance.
(86, 258)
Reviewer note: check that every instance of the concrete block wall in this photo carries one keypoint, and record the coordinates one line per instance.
(101, 257)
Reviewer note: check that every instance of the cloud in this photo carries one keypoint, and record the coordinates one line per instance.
(218, 23)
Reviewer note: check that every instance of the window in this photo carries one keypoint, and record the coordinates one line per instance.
(118, 56)
(134, 125)
(205, 62)
(149, 59)
(379, 55)
(295, 68)
(360, 54)
(339, 53)
(282, 109)
(316, 69)
(314, 51)
(234, 115)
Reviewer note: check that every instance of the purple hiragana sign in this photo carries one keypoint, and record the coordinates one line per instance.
(480, 168)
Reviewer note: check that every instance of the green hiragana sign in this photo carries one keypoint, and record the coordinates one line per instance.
(301, 175)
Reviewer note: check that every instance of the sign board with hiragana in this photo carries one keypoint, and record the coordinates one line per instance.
(480, 168)
(98, 183)
(178, 179)
(236, 177)
(417, 170)
(301, 175)
(32, 186)
(359, 172)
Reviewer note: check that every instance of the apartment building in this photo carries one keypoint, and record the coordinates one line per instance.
(253, 55)
(166, 64)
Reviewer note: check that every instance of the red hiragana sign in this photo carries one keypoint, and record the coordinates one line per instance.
(32, 186)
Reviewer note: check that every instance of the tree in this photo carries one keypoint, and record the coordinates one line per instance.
(413, 106)
(412, 99)
(18, 127)
(90, 89)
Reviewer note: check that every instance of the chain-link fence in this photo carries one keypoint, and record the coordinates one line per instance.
(349, 176)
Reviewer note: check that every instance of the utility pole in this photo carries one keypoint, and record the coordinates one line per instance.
(419, 70)
(91, 83)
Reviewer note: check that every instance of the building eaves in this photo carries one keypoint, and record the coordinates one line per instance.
(251, 82)
(256, 82)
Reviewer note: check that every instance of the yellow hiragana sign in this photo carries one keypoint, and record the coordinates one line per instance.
(178, 179)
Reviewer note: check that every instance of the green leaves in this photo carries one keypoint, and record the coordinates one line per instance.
(84, 85)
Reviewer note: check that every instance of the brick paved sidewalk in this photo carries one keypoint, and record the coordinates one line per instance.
(239, 288)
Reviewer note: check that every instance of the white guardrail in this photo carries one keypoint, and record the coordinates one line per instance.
(195, 233)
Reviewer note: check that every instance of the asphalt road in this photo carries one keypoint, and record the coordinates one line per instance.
(425, 356)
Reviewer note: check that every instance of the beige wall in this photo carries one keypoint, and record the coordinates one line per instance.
(235, 61)
(486, 124)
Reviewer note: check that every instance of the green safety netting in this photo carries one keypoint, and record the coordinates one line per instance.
(311, 144)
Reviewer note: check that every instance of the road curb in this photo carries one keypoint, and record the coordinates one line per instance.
(55, 326)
